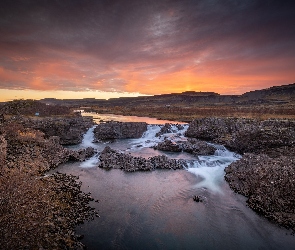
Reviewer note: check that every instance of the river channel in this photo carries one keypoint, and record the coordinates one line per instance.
(156, 210)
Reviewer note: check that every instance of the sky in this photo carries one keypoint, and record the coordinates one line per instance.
(111, 48)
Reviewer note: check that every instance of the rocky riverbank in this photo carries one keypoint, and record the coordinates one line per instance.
(37, 210)
(269, 184)
(266, 172)
(70, 130)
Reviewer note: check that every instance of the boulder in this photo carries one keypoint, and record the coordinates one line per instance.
(197, 147)
(167, 128)
(110, 158)
(168, 145)
(268, 183)
(192, 146)
(119, 130)
(81, 154)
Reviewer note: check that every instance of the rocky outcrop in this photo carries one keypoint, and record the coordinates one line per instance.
(27, 148)
(245, 135)
(192, 146)
(119, 130)
(269, 185)
(81, 154)
(209, 128)
(69, 130)
(110, 158)
(168, 145)
(197, 147)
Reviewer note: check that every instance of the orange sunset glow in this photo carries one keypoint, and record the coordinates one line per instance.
(106, 49)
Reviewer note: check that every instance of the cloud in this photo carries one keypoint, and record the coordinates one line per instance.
(146, 46)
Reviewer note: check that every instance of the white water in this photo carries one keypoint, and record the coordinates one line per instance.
(209, 168)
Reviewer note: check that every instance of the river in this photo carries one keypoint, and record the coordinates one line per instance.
(156, 210)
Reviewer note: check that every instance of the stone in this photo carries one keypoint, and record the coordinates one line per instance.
(119, 130)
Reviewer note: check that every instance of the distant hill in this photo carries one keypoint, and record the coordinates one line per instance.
(274, 95)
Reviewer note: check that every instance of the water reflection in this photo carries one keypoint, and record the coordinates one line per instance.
(122, 118)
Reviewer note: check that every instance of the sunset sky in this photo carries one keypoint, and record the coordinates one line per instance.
(111, 48)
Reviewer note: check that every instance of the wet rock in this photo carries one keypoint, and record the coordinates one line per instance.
(168, 145)
(197, 147)
(119, 130)
(81, 154)
(192, 146)
(198, 198)
(110, 158)
(164, 130)
(269, 184)
(167, 128)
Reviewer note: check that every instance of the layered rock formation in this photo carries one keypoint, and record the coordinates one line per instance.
(110, 158)
(119, 130)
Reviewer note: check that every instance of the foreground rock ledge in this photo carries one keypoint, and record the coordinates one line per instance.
(38, 211)
(269, 185)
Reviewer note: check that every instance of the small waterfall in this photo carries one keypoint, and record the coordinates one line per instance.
(211, 168)
(88, 142)
(88, 138)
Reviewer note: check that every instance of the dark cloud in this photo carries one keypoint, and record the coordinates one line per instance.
(96, 41)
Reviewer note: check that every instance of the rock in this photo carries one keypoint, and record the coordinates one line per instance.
(197, 147)
(198, 198)
(168, 145)
(167, 128)
(269, 185)
(81, 154)
(69, 130)
(192, 146)
(245, 135)
(164, 130)
(119, 130)
(208, 128)
(46, 208)
(110, 158)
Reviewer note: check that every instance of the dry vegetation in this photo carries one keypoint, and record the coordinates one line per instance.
(189, 113)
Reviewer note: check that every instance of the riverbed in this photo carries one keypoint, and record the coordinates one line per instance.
(156, 210)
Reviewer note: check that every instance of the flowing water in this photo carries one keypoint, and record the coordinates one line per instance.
(156, 210)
